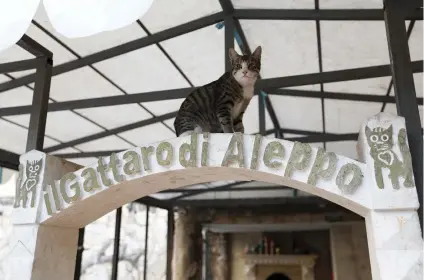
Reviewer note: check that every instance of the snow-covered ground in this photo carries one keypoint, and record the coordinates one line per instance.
(99, 238)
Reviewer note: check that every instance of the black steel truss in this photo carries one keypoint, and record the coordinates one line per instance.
(20, 65)
(390, 87)
(183, 92)
(225, 189)
(230, 16)
(9, 160)
(321, 14)
(403, 83)
(320, 67)
(121, 49)
(290, 205)
(314, 137)
(111, 132)
(273, 83)
(401, 69)
(107, 79)
(274, 14)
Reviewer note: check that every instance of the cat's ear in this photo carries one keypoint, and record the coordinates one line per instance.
(233, 54)
(257, 53)
(367, 131)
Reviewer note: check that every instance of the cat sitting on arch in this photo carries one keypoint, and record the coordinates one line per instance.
(218, 107)
(380, 141)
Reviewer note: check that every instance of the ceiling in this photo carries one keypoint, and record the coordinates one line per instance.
(290, 47)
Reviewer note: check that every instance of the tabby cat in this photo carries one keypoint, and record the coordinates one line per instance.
(218, 107)
(380, 141)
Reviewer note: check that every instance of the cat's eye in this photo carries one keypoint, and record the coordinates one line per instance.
(384, 137)
(374, 138)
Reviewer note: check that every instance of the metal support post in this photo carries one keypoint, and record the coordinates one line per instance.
(170, 244)
(262, 120)
(40, 101)
(80, 250)
(146, 243)
(115, 256)
(229, 40)
(403, 82)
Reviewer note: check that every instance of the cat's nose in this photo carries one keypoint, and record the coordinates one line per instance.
(244, 72)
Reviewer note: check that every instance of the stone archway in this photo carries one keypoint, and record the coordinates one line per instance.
(55, 197)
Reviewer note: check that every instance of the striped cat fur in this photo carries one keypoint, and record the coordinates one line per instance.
(218, 107)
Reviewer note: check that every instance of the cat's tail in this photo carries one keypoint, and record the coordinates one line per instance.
(177, 126)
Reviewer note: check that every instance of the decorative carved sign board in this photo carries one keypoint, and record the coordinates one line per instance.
(286, 160)
(53, 191)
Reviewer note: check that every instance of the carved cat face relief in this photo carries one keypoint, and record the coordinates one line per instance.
(379, 138)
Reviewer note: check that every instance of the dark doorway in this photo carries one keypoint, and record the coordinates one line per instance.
(278, 276)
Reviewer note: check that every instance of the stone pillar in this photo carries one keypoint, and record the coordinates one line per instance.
(37, 251)
(219, 260)
(349, 252)
(187, 251)
(394, 236)
(396, 245)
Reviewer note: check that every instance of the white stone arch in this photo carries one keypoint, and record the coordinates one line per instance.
(67, 196)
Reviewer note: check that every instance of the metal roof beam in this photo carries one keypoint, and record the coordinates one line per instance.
(273, 83)
(325, 138)
(314, 137)
(111, 132)
(294, 205)
(104, 101)
(404, 88)
(121, 49)
(336, 96)
(33, 47)
(321, 14)
(182, 93)
(198, 24)
(154, 202)
(333, 76)
(390, 86)
(20, 65)
(238, 189)
(9, 160)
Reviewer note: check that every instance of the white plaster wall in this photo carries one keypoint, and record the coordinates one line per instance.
(98, 243)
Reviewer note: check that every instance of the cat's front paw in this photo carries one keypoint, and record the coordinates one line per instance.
(228, 130)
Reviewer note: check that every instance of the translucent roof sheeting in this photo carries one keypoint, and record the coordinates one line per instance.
(290, 47)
